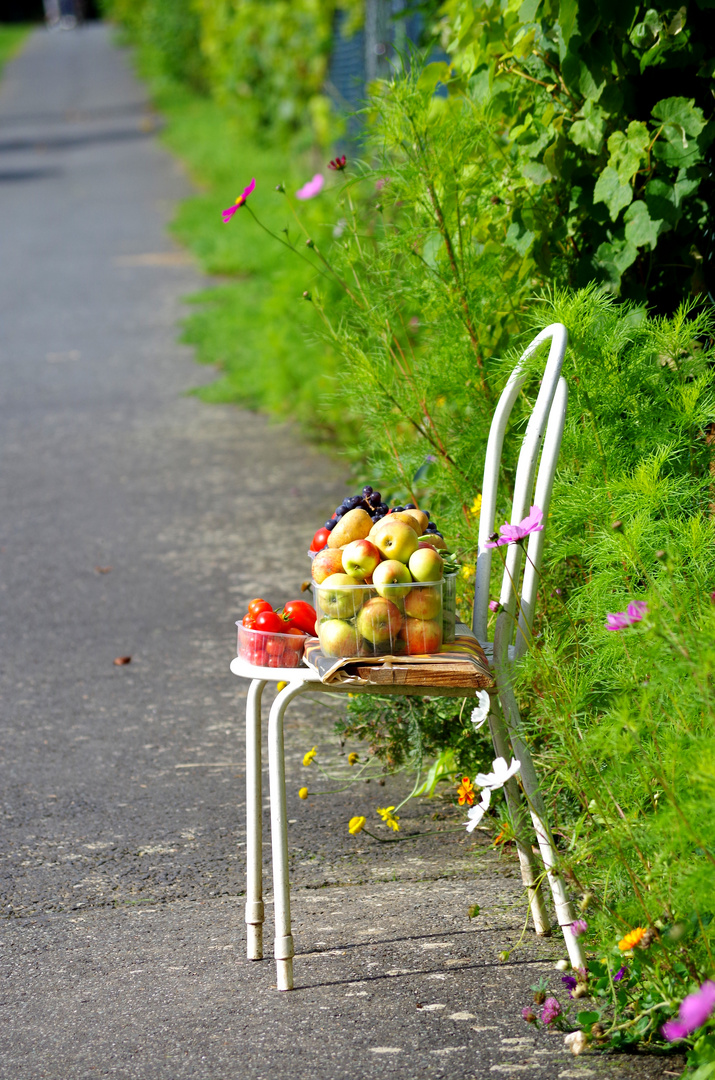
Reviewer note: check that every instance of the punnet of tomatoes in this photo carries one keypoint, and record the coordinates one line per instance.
(268, 638)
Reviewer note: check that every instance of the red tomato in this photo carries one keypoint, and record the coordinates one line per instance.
(301, 614)
(297, 637)
(269, 621)
(320, 539)
(249, 622)
(258, 605)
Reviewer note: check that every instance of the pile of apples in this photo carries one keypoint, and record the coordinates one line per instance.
(401, 611)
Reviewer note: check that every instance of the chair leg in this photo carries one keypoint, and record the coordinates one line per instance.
(537, 808)
(283, 944)
(254, 823)
(517, 812)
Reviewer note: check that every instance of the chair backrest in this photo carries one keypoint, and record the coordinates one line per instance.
(547, 419)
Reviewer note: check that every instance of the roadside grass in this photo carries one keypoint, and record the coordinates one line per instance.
(254, 324)
(12, 36)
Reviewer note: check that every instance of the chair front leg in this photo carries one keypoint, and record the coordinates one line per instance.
(517, 812)
(283, 945)
(530, 783)
(254, 823)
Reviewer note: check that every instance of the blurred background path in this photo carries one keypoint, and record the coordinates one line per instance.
(136, 521)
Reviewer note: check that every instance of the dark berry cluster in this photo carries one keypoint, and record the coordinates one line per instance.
(371, 501)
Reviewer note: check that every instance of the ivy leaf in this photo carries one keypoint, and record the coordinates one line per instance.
(554, 157)
(568, 10)
(588, 131)
(611, 190)
(628, 149)
(538, 174)
(433, 74)
(641, 229)
(615, 257)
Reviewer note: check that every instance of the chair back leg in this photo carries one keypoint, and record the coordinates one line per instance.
(537, 808)
(254, 823)
(530, 874)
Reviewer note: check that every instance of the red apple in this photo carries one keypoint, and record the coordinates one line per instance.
(360, 558)
(422, 636)
(379, 621)
(325, 563)
(424, 602)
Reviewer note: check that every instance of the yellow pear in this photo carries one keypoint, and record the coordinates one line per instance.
(355, 525)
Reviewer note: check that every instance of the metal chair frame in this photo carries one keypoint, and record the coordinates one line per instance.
(545, 427)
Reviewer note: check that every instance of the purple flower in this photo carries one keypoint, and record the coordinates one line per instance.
(512, 534)
(694, 1011)
(311, 188)
(570, 982)
(338, 164)
(431, 457)
(551, 1009)
(619, 620)
(231, 210)
(620, 974)
(580, 926)
(493, 605)
(529, 1015)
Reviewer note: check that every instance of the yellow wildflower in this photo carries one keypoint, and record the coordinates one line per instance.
(281, 686)
(307, 758)
(303, 793)
(476, 507)
(352, 758)
(465, 792)
(441, 400)
(388, 817)
(356, 825)
(468, 571)
(631, 939)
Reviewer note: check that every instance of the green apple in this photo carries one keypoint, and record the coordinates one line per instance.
(389, 579)
(379, 621)
(424, 602)
(338, 598)
(396, 540)
(338, 638)
(426, 564)
(434, 541)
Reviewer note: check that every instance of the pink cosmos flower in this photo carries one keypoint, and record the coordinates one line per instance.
(493, 605)
(231, 210)
(694, 1011)
(619, 620)
(512, 534)
(311, 188)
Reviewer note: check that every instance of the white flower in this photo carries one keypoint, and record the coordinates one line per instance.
(481, 712)
(476, 813)
(576, 1041)
(498, 778)
(562, 965)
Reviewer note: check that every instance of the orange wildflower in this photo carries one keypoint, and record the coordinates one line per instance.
(632, 938)
(465, 792)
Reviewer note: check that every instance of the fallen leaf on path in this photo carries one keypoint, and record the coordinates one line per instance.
(102, 569)
(119, 660)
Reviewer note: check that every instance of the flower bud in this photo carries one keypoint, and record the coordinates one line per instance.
(310, 243)
(281, 188)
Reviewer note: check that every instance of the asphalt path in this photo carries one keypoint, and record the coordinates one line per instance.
(136, 522)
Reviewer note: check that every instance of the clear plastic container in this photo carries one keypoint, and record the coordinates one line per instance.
(449, 607)
(263, 649)
(379, 620)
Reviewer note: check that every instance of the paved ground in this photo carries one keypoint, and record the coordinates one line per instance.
(121, 872)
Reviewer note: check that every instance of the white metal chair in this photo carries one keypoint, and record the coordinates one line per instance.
(545, 426)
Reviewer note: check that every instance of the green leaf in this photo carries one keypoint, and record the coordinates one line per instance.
(589, 130)
(568, 10)
(432, 74)
(473, 911)
(528, 10)
(519, 237)
(585, 1019)
(628, 149)
(535, 172)
(554, 157)
(615, 257)
(611, 190)
(641, 229)
(680, 112)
